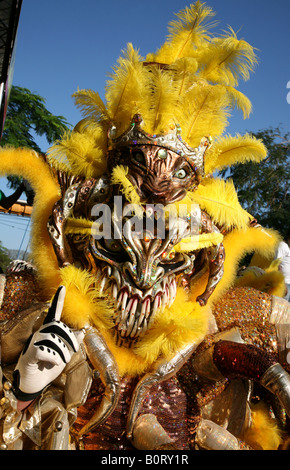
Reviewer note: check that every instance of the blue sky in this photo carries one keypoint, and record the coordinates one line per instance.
(70, 44)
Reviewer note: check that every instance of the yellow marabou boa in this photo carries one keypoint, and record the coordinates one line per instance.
(28, 165)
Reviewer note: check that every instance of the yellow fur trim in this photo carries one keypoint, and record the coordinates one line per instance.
(78, 225)
(263, 261)
(264, 433)
(28, 165)
(183, 323)
(272, 282)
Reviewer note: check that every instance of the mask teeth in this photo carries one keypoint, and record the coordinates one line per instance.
(145, 310)
(134, 315)
(172, 291)
(131, 316)
(119, 299)
(114, 291)
(102, 284)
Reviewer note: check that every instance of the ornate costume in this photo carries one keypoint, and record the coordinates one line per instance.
(129, 218)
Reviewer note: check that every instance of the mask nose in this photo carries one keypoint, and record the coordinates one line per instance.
(148, 276)
(161, 190)
(144, 268)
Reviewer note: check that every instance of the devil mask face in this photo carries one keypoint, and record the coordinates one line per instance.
(158, 175)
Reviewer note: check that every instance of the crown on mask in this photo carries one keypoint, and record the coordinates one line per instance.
(170, 140)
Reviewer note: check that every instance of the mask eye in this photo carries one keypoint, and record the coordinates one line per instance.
(180, 174)
(112, 245)
(139, 157)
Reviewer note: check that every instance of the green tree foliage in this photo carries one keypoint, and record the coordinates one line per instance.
(4, 257)
(28, 117)
(263, 188)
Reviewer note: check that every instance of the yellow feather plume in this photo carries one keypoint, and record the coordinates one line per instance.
(128, 91)
(237, 244)
(226, 60)
(219, 199)
(271, 281)
(162, 103)
(186, 33)
(239, 101)
(198, 242)
(193, 85)
(264, 432)
(91, 105)
(27, 164)
(81, 153)
(229, 150)
(184, 323)
(83, 305)
(203, 110)
(183, 73)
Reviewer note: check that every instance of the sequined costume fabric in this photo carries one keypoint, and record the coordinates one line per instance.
(240, 360)
(21, 291)
(249, 310)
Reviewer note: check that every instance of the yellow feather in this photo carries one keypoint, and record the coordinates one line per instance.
(203, 111)
(83, 304)
(227, 59)
(163, 101)
(127, 92)
(271, 281)
(81, 153)
(119, 177)
(183, 323)
(186, 33)
(198, 242)
(237, 244)
(264, 432)
(230, 150)
(183, 73)
(191, 27)
(219, 199)
(240, 101)
(91, 105)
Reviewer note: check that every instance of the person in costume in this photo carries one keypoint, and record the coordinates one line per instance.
(146, 330)
(283, 254)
